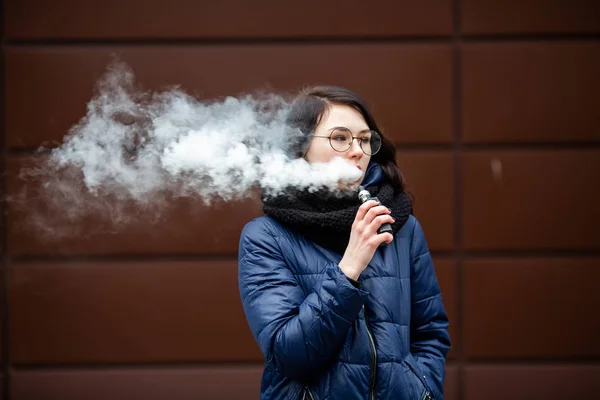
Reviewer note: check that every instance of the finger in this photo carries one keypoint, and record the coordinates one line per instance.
(374, 212)
(362, 210)
(378, 221)
(381, 238)
(388, 237)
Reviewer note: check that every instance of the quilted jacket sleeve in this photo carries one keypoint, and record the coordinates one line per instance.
(298, 333)
(430, 341)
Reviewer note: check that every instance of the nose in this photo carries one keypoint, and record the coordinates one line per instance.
(355, 150)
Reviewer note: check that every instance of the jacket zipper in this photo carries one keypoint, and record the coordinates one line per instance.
(427, 395)
(373, 359)
(307, 390)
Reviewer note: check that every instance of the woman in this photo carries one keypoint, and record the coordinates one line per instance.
(339, 310)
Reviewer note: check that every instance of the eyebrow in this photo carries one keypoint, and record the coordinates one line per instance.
(343, 127)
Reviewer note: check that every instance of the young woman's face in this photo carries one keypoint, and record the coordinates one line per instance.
(337, 119)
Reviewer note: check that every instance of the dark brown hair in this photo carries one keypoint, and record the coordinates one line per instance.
(308, 109)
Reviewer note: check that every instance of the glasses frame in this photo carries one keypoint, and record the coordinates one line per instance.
(352, 141)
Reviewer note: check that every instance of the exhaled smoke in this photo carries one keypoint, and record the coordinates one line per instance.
(135, 151)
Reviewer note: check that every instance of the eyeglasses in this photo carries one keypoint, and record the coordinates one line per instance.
(341, 141)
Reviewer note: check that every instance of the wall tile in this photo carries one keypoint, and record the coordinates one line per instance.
(524, 382)
(154, 19)
(182, 226)
(451, 382)
(447, 275)
(430, 179)
(529, 16)
(215, 382)
(530, 92)
(530, 199)
(539, 308)
(128, 312)
(407, 86)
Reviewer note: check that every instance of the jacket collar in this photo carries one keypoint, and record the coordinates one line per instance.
(374, 175)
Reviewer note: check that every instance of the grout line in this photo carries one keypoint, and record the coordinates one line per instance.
(451, 146)
(231, 41)
(4, 273)
(498, 147)
(65, 259)
(318, 40)
(454, 254)
(210, 364)
(93, 366)
(458, 245)
(531, 38)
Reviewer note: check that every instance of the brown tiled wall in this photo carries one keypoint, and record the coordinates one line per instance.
(493, 104)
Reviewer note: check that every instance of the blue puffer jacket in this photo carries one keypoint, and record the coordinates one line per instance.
(324, 338)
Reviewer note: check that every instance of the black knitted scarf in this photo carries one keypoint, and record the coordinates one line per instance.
(326, 217)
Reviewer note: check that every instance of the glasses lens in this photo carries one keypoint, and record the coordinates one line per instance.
(373, 145)
(340, 139)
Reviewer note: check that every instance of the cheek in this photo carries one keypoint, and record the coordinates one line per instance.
(364, 162)
(319, 153)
